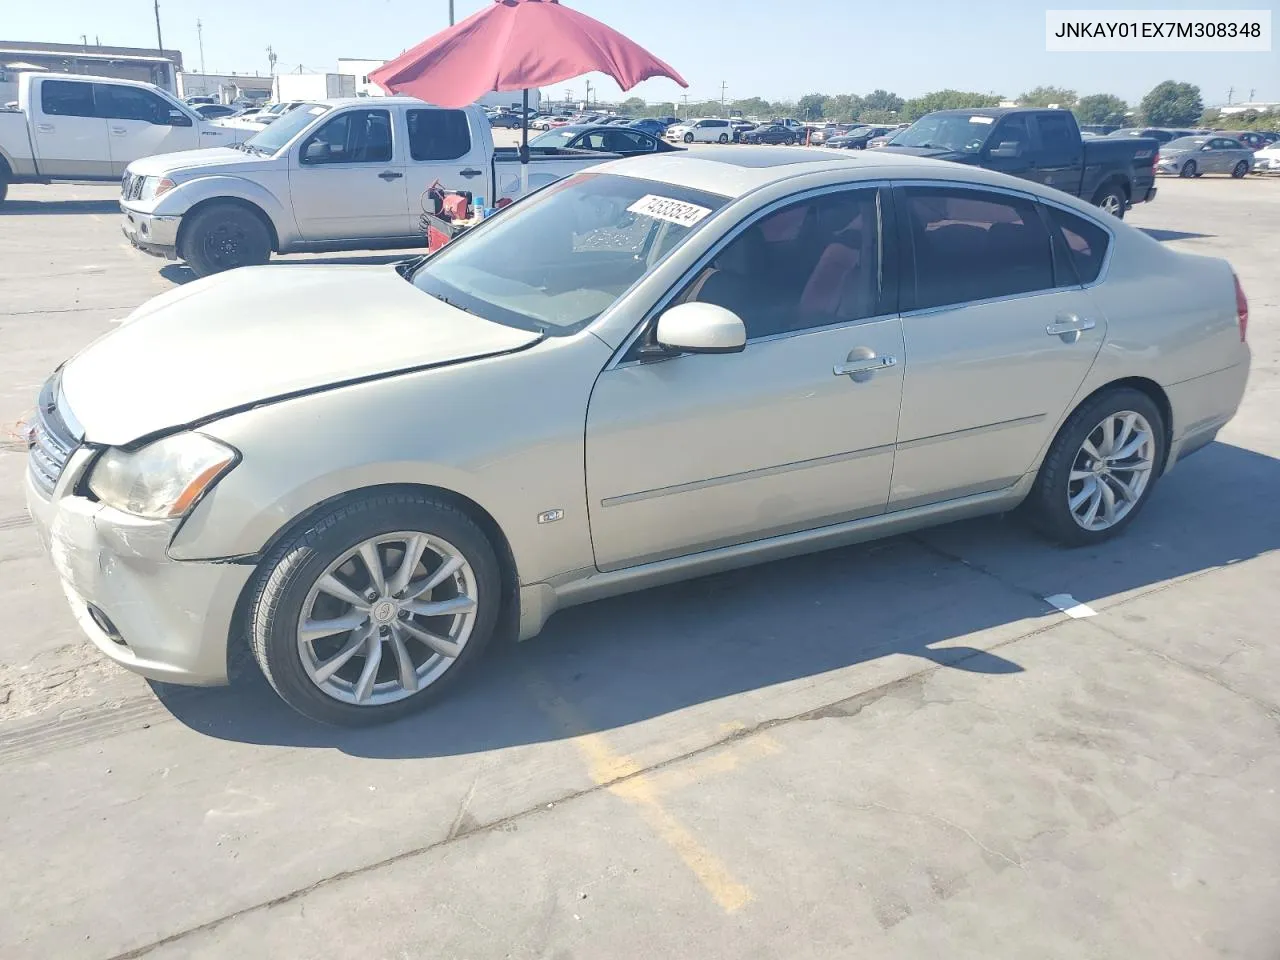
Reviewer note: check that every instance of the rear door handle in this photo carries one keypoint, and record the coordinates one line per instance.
(389, 175)
(469, 172)
(45, 127)
(1069, 327)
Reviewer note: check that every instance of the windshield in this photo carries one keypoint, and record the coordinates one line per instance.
(285, 129)
(553, 138)
(1185, 143)
(955, 132)
(560, 258)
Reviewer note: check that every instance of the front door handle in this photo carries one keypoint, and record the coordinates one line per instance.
(119, 131)
(1069, 327)
(389, 175)
(469, 172)
(45, 127)
(862, 365)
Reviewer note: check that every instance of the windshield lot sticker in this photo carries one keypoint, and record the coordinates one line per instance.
(673, 211)
(982, 119)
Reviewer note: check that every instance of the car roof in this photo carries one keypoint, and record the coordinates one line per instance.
(739, 170)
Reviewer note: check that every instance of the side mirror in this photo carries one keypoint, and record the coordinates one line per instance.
(1207, 146)
(177, 118)
(315, 152)
(701, 328)
(1008, 150)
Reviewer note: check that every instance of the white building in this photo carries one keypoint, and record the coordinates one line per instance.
(360, 69)
(225, 86)
(1261, 106)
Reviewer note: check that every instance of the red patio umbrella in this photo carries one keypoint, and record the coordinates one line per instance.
(515, 45)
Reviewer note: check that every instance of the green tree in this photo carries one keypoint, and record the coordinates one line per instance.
(632, 105)
(1171, 104)
(877, 116)
(917, 107)
(1100, 108)
(752, 107)
(843, 106)
(810, 106)
(1044, 96)
(882, 100)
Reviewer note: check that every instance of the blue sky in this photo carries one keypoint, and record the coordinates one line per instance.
(775, 50)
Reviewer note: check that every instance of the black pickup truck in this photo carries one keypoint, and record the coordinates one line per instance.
(1040, 145)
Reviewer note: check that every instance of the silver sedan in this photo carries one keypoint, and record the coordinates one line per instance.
(1196, 156)
(665, 367)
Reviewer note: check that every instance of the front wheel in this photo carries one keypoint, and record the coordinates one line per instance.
(1188, 169)
(375, 608)
(688, 138)
(1240, 170)
(1100, 470)
(222, 237)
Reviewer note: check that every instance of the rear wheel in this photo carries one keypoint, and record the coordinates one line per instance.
(222, 237)
(1240, 170)
(1188, 169)
(4, 182)
(1100, 470)
(723, 138)
(1111, 199)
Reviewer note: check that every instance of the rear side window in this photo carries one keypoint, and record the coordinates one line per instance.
(130, 103)
(973, 245)
(1085, 244)
(438, 134)
(66, 98)
(1056, 133)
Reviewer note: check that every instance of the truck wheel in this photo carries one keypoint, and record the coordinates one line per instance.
(1240, 170)
(1112, 200)
(1188, 169)
(224, 236)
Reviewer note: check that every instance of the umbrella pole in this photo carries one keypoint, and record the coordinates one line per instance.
(524, 146)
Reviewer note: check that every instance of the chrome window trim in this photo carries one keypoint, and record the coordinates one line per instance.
(1020, 195)
(728, 237)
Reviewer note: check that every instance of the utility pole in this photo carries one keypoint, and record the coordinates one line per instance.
(1252, 91)
(723, 85)
(1230, 93)
(685, 98)
(271, 59)
(451, 13)
(200, 39)
(159, 39)
(587, 105)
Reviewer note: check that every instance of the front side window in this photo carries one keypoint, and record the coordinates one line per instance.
(130, 103)
(561, 257)
(1012, 133)
(281, 131)
(810, 264)
(66, 98)
(438, 134)
(973, 245)
(357, 136)
(1085, 243)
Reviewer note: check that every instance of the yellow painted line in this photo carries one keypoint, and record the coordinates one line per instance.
(605, 767)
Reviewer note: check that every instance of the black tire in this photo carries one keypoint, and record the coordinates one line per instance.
(1111, 198)
(4, 181)
(1188, 169)
(286, 575)
(1046, 506)
(1240, 170)
(224, 236)
(688, 138)
(724, 138)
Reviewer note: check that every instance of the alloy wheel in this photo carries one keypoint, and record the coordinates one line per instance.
(1111, 470)
(1111, 204)
(387, 618)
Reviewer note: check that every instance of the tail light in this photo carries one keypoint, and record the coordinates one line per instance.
(1155, 158)
(1242, 308)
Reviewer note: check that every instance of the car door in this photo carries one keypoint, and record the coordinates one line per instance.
(691, 452)
(1227, 153)
(70, 139)
(442, 148)
(1060, 150)
(997, 347)
(345, 182)
(140, 123)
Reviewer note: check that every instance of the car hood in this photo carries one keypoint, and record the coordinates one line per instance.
(257, 334)
(224, 159)
(933, 153)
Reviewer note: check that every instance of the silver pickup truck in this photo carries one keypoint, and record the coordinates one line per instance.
(331, 175)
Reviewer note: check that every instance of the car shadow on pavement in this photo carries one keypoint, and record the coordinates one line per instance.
(13, 208)
(1166, 235)
(925, 595)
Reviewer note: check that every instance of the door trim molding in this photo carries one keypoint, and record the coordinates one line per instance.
(972, 431)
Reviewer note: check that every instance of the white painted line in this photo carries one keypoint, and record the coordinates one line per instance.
(1071, 606)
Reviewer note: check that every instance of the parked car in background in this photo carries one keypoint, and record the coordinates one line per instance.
(856, 138)
(1267, 160)
(773, 133)
(828, 131)
(331, 175)
(1196, 156)
(509, 121)
(216, 111)
(1040, 145)
(1158, 134)
(624, 141)
(194, 101)
(886, 138)
(1250, 138)
(668, 318)
(740, 127)
(650, 125)
(73, 127)
(704, 130)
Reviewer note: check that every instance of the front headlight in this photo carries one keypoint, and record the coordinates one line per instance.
(163, 479)
(153, 188)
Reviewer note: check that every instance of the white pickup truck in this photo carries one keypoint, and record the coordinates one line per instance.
(345, 174)
(73, 127)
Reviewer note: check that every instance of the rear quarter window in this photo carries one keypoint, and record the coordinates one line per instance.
(1083, 245)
